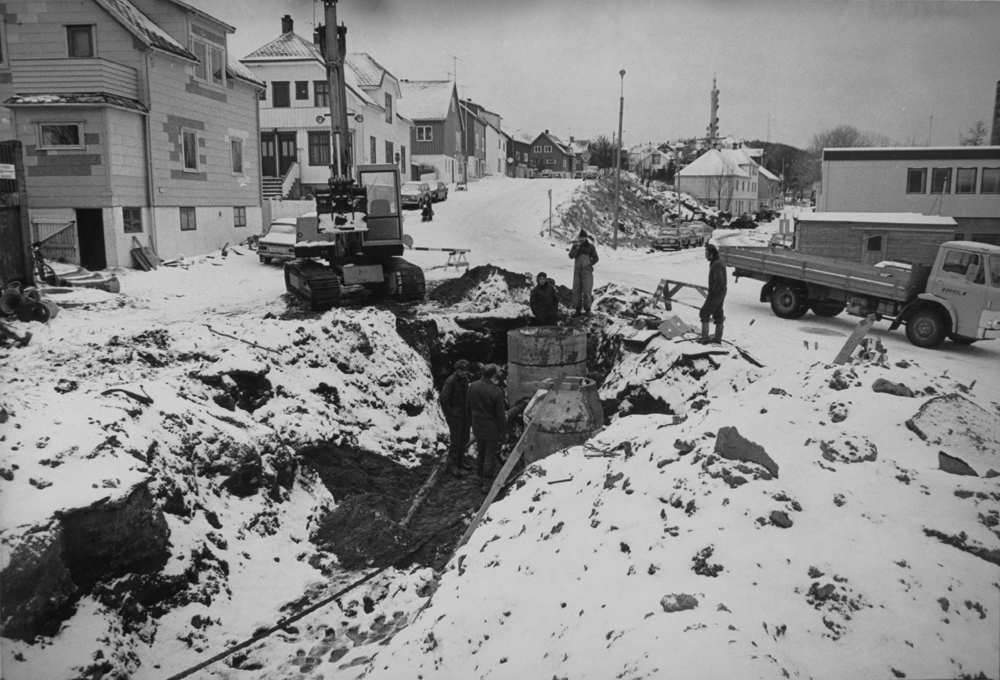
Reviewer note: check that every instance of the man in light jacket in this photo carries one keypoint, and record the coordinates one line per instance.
(584, 256)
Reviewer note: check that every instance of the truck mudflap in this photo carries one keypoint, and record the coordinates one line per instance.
(921, 301)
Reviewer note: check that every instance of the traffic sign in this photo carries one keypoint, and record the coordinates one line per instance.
(585, 157)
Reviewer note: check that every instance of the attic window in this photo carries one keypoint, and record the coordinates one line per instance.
(80, 41)
(548, 149)
(211, 66)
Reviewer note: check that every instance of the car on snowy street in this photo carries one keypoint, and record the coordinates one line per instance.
(279, 241)
(672, 238)
(439, 192)
(701, 232)
(545, 174)
(415, 194)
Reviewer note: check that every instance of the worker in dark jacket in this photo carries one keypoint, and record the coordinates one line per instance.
(453, 404)
(584, 256)
(489, 423)
(544, 301)
(717, 284)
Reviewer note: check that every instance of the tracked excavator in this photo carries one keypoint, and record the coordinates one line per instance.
(360, 219)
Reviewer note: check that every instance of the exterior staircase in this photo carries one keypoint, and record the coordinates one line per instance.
(272, 187)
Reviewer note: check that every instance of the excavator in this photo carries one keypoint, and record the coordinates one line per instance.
(359, 230)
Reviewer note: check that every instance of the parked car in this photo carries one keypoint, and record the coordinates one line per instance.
(415, 193)
(578, 174)
(279, 241)
(590, 172)
(545, 173)
(702, 233)
(439, 192)
(672, 238)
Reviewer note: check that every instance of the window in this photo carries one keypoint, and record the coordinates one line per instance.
(388, 108)
(458, 141)
(995, 271)
(371, 151)
(321, 93)
(916, 180)
(873, 244)
(537, 149)
(80, 40)
(402, 157)
(239, 216)
(218, 67)
(548, 149)
(991, 181)
(477, 147)
(60, 136)
(132, 220)
(388, 153)
(189, 221)
(550, 161)
(319, 148)
(211, 66)
(280, 95)
(200, 51)
(965, 181)
(3, 42)
(425, 133)
(301, 89)
(941, 181)
(965, 265)
(236, 152)
(189, 142)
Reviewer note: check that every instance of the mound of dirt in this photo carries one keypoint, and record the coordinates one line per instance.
(455, 290)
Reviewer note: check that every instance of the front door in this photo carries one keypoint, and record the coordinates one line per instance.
(277, 153)
(90, 232)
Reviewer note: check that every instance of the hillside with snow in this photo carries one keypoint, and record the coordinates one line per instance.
(176, 460)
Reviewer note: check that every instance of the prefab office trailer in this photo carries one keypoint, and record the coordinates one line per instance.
(870, 238)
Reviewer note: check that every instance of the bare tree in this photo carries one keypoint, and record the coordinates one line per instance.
(721, 187)
(845, 136)
(975, 135)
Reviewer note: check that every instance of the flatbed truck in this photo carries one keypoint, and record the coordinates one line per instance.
(951, 290)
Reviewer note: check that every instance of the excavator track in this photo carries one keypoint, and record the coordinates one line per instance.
(315, 282)
(405, 281)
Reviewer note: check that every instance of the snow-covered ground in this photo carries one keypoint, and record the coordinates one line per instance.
(662, 558)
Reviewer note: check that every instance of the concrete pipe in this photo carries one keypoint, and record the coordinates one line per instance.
(537, 353)
(10, 300)
(572, 417)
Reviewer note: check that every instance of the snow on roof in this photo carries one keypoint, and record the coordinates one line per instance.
(426, 99)
(78, 99)
(764, 171)
(368, 71)
(287, 46)
(237, 70)
(143, 28)
(713, 163)
(884, 218)
(351, 81)
(195, 10)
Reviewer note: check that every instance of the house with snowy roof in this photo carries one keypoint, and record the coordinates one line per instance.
(135, 122)
(649, 160)
(723, 178)
(494, 142)
(548, 152)
(438, 128)
(769, 193)
(520, 154)
(296, 141)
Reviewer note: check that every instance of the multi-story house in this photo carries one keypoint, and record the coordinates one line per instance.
(549, 153)
(495, 142)
(437, 140)
(475, 142)
(296, 142)
(769, 193)
(962, 182)
(136, 123)
(724, 178)
(520, 155)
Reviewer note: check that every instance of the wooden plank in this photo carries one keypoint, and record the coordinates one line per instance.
(852, 342)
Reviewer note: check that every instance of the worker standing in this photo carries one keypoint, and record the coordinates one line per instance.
(489, 423)
(717, 284)
(453, 404)
(584, 256)
(544, 301)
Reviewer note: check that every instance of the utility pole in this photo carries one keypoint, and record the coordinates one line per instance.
(618, 160)
(336, 51)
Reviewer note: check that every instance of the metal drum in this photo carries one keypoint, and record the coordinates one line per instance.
(537, 353)
(572, 417)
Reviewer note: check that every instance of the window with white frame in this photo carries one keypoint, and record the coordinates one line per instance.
(239, 216)
(80, 41)
(321, 93)
(236, 155)
(189, 149)
(211, 66)
(550, 161)
(425, 133)
(60, 136)
(537, 149)
(965, 181)
(189, 221)
(548, 149)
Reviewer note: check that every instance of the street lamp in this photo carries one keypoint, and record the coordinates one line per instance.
(618, 161)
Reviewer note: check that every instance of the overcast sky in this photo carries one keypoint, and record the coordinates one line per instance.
(803, 65)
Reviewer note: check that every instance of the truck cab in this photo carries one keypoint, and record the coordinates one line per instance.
(965, 281)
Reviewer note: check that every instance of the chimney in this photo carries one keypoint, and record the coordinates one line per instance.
(287, 26)
(546, 132)
(571, 140)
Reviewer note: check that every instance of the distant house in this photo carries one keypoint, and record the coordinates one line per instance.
(495, 143)
(438, 127)
(723, 178)
(548, 152)
(508, 153)
(475, 142)
(649, 160)
(769, 194)
(520, 154)
(136, 123)
(296, 140)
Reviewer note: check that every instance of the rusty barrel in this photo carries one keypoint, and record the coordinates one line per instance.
(572, 417)
(537, 353)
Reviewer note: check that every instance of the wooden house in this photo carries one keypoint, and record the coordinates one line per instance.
(136, 123)
(548, 152)
(438, 127)
(870, 238)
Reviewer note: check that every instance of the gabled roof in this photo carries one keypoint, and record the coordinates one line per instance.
(369, 72)
(80, 99)
(714, 164)
(767, 174)
(286, 47)
(195, 10)
(143, 28)
(237, 70)
(555, 141)
(426, 99)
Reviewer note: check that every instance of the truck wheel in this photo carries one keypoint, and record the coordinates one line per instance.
(826, 309)
(962, 340)
(788, 302)
(926, 328)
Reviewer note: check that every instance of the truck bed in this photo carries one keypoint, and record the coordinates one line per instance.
(764, 263)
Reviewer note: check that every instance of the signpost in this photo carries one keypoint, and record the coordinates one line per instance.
(550, 213)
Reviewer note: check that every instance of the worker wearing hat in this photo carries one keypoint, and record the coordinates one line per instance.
(584, 256)
(453, 404)
(487, 414)
(717, 285)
